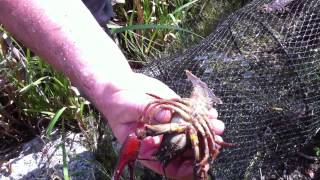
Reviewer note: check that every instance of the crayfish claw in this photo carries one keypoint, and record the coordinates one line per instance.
(128, 155)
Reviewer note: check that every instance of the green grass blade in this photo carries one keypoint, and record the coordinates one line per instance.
(152, 26)
(54, 120)
(81, 110)
(35, 83)
(59, 82)
(48, 113)
(184, 6)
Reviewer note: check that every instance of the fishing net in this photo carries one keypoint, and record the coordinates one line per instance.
(263, 62)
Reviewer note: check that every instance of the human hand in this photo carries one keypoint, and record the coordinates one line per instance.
(124, 109)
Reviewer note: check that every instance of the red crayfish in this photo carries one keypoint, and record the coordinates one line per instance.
(189, 127)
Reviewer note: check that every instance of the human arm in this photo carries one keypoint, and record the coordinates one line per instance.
(65, 34)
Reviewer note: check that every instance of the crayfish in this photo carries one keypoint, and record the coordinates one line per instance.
(189, 128)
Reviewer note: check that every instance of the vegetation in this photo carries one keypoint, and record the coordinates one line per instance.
(164, 26)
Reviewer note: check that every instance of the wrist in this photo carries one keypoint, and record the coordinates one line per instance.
(101, 91)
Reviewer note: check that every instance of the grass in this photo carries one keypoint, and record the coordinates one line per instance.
(317, 151)
(34, 98)
(31, 94)
(146, 33)
(166, 25)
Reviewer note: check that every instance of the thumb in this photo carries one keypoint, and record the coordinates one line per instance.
(163, 116)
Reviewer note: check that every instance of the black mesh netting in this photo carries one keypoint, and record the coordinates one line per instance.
(263, 62)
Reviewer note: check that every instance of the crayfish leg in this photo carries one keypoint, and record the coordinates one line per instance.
(128, 155)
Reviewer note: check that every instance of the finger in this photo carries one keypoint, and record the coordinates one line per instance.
(180, 168)
(150, 145)
(213, 113)
(163, 116)
(218, 139)
(155, 115)
(217, 126)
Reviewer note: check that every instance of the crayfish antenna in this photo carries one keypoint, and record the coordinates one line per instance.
(128, 155)
(154, 96)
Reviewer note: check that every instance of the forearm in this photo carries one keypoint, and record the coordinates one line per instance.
(65, 34)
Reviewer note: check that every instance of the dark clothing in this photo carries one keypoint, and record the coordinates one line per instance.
(101, 10)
